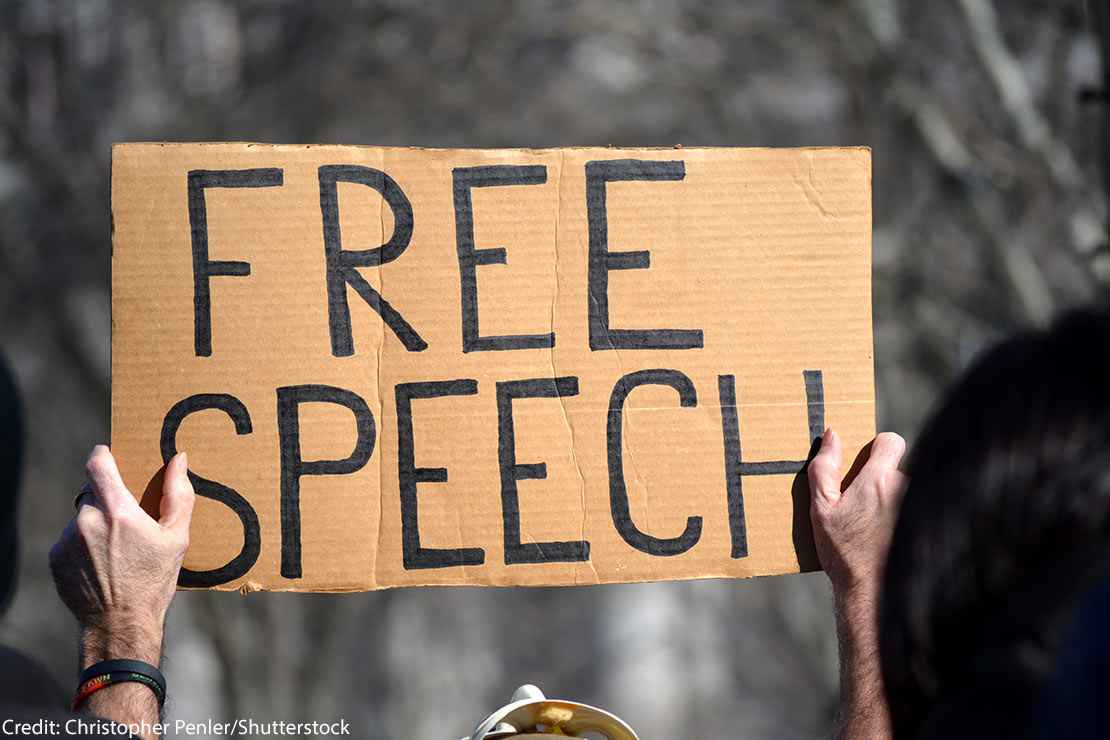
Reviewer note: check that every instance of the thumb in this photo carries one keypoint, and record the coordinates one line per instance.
(824, 469)
(176, 509)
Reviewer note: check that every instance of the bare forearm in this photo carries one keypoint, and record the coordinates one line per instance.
(852, 525)
(863, 710)
(131, 704)
(116, 567)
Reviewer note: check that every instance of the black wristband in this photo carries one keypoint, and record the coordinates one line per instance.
(119, 671)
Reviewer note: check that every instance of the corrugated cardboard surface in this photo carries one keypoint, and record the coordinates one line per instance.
(766, 251)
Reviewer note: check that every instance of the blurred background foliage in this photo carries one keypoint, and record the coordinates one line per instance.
(988, 216)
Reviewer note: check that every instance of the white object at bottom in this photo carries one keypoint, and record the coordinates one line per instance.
(530, 711)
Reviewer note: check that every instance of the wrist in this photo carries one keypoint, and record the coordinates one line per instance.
(126, 640)
(852, 586)
(857, 594)
(857, 618)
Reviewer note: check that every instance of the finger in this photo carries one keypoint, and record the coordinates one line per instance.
(886, 453)
(107, 484)
(90, 528)
(895, 486)
(176, 508)
(824, 469)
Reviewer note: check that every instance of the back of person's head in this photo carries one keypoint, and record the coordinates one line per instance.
(1074, 705)
(1003, 526)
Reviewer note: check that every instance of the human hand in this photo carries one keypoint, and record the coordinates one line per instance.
(852, 526)
(851, 529)
(116, 567)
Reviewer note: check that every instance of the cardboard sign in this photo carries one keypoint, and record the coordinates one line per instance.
(401, 367)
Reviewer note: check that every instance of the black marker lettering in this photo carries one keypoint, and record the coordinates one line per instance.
(415, 557)
(252, 538)
(598, 173)
(736, 468)
(466, 178)
(204, 268)
(289, 400)
(618, 493)
(341, 263)
(512, 471)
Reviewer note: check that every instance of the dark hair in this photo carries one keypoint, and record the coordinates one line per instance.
(1003, 524)
(1074, 704)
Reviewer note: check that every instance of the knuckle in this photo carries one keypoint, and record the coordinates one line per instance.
(119, 519)
(822, 475)
(183, 489)
(891, 441)
(84, 518)
(819, 466)
(88, 522)
(890, 485)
